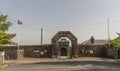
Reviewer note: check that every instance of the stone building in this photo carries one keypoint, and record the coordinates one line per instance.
(64, 45)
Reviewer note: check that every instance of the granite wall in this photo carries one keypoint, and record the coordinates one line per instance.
(45, 51)
(91, 50)
(112, 52)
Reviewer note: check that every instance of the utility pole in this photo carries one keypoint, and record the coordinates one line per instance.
(41, 36)
(108, 29)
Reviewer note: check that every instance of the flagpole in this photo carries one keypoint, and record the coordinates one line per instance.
(18, 40)
(18, 45)
(19, 23)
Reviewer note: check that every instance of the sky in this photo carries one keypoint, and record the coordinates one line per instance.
(84, 18)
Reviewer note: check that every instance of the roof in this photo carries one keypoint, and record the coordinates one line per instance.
(13, 43)
(96, 42)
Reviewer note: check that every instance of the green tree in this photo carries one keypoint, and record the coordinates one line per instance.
(5, 38)
(115, 42)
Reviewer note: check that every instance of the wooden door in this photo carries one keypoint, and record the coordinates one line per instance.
(63, 52)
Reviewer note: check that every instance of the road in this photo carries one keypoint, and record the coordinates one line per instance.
(67, 65)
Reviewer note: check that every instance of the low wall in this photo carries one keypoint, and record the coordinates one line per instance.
(10, 55)
(37, 51)
(91, 50)
(10, 52)
(112, 52)
(45, 51)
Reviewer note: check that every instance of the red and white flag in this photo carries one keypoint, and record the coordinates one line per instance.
(20, 22)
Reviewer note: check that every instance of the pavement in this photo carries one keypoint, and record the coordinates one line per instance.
(3, 65)
(49, 64)
(35, 60)
(7, 63)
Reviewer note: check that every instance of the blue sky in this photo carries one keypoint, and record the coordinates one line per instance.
(84, 18)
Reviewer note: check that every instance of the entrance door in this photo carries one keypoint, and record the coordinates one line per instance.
(63, 52)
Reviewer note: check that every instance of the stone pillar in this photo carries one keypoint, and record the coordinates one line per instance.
(20, 54)
(54, 54)
(2, 57)
(116, 52)
(75, 52)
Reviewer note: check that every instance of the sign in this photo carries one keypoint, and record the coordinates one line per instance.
(91, 51)
(46, 51)
(36, 51)
(41, 52)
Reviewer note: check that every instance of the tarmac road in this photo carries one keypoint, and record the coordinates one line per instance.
(66, 66)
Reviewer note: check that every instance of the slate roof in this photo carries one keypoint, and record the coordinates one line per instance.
(11, 44)
(96, 42)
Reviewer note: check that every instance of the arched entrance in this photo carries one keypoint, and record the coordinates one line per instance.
(63, 52)
(71, 51)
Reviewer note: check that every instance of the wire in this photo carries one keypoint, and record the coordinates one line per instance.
(24, 25)
(65, 26)
(31, 27)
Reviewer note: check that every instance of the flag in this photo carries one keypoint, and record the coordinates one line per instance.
(20, 22)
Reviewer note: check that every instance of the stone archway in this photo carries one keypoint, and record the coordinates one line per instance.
(67, 34)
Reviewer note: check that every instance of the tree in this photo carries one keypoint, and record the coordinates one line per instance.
(5, 38)
(115, 42)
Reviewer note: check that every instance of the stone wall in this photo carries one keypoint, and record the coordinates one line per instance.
(11, 55)
(91, 50)
(10, 52)
(37, 51)
(45, 51)
(112, 52)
